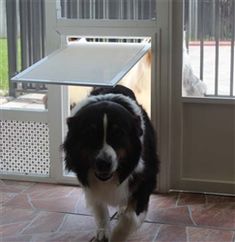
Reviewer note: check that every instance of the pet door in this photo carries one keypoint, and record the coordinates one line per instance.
(86, 64)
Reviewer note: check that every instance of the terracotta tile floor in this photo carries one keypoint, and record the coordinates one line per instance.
(43, 212)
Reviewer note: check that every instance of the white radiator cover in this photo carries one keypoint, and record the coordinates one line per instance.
(24, 148)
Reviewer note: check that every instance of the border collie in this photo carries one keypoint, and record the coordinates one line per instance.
(110, 145)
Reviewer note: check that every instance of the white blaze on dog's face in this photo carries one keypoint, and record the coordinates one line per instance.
(106, 162)
(103, 138)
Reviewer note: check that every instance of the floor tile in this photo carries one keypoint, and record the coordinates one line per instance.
(220, 199)
(220, 215)
(17, 238)
(77, 223)
(45, 222)
(47, 197)
(6, 197)
(163, 200)
(15, 215)
(171, 233)
(179, 215)
(20, 201)
(40, 191)
(14, 186)
(209, 235)
(34, 212)
(191, 199)
(145, 233)
(12, 228)
(63, 204)
(74, 236)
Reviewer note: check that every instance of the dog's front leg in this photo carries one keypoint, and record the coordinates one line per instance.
(127, 223)
(102, 220)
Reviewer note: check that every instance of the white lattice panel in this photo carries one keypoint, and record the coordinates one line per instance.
(24, 148)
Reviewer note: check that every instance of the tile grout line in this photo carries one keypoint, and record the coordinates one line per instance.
(177, 200)
(191, 216)
(71, 192)
(29, 225)
(233, 236)
(187, 233)
(76, 207)
(62, 223)
(47, 210)
(29, 199)
(70, 213)
(157, 233)
(17, 193)
(190, 225)
(24, 190)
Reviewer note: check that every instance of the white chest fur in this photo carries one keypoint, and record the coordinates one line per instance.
(110, 192)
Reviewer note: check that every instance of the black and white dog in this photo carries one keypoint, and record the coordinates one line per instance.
(111, 147)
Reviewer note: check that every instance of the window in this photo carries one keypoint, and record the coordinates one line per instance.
(209, 48)
(22, 44)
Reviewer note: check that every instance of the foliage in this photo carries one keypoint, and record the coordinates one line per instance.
(3, 65)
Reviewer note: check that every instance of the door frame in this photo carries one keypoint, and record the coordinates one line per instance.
(177, 180)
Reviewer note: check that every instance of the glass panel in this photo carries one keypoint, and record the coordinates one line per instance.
(108, 9)
(21, 45)
(225, 33)
(208, 48)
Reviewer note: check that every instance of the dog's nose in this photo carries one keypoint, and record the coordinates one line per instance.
(102, 165)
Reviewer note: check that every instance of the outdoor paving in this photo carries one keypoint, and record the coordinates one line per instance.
(27, 101)
(35, 212)
(209, 67)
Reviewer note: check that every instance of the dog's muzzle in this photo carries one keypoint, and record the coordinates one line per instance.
(103, 169)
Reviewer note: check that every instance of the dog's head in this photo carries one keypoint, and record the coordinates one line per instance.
(103, 139)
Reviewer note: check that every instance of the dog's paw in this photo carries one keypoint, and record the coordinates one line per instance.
(102, 235)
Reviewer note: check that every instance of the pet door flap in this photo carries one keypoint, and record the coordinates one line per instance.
(85, 64)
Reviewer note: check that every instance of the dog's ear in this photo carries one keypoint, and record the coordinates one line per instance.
(72, 122)
(138, 126)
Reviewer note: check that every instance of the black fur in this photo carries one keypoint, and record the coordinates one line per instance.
(84, 140)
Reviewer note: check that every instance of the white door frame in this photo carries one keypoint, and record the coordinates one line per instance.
(178, 181)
